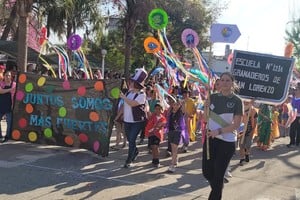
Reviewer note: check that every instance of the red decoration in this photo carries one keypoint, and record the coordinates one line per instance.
(43, 35)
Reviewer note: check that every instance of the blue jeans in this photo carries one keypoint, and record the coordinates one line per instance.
(8, 122)
(132, 130)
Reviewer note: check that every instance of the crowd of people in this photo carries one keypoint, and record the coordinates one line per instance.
(227, 120)
(222, 118)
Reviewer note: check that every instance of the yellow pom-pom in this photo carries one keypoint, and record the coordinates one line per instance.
(288, 51)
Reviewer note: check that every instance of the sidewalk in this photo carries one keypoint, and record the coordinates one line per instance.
(30, 171)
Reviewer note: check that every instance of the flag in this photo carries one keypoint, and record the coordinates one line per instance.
(226, 33)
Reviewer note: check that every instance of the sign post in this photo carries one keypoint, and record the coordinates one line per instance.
(261, 76)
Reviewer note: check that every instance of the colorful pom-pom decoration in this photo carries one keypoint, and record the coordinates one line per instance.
(151, 45)
(189, 38)
(74, 42)
(158, 19)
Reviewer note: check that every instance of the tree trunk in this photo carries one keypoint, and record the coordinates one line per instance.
(128, 46)
(23, 9)
(130, 25)
(10, 22)
(22, 44)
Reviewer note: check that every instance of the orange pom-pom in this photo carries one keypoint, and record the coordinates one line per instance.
(288, 51)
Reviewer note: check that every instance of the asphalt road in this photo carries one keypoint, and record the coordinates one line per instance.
(30, 171)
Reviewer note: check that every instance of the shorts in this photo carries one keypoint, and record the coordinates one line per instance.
(153, 140)
(174, 137)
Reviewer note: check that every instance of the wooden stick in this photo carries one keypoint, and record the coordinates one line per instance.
(207, 121)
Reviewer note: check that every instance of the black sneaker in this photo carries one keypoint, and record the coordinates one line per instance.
(156, 165)
(290, 145)
(127, 165)
(155, 162)
(247, 158)
(5, 139)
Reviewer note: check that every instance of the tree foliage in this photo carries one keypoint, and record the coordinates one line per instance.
(125, 45)
(198, 15)
(292, 36)
(65, 17)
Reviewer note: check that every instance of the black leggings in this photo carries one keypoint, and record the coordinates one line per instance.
(295, 132)
(214, 169)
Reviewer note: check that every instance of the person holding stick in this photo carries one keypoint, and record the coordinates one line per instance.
(225, 116)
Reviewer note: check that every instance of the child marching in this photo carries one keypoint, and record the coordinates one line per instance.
(154, 131)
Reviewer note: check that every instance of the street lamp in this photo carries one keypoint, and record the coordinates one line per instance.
(103, 53)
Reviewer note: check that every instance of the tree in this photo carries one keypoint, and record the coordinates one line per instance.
(292, 36)
(11, 22)
(198, 15)
(136, 10)
(23, 9)
(66, 17)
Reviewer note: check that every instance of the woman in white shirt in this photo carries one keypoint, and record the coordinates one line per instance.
(134, 112)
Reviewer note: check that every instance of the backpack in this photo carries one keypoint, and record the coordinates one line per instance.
(139, 112)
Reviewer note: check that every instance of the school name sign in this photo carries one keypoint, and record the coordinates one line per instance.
(263, 77)
(75, 113)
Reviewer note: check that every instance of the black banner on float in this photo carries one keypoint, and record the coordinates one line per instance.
(74, 113)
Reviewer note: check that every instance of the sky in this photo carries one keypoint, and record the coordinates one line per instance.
(262, 24)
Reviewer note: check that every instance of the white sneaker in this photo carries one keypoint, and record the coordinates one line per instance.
(171, 169)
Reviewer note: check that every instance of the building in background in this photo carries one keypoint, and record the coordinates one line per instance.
(218, 63)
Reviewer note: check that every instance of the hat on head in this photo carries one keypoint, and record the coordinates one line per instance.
(2, 67)
(139, 76)
(159, 104)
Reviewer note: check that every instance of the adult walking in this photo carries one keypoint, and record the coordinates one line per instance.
(7, 89)
(134, 112)
(295, 126)
(225, 115)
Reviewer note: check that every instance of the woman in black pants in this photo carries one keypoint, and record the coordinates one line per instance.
(295, 126)
(225, 111)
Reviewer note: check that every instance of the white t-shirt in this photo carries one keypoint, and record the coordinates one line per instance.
(140, 98)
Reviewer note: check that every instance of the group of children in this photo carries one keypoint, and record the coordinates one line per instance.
(162, 123)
